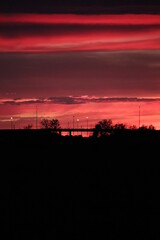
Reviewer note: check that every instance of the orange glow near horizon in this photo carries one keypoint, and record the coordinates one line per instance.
(119, 112)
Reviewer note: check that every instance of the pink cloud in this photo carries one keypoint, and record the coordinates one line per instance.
(139, 19)
(61, 33)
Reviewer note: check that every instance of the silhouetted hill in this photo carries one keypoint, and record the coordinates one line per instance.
(60, 187)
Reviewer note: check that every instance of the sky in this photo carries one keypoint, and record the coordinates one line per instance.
(95, 59)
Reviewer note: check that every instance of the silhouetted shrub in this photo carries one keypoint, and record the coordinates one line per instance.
(103, 128)
(28, 127)
(50, 124)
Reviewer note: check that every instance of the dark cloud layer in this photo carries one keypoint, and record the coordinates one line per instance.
(30, 30)
(76, 100)
(79, 6)
(121, 73)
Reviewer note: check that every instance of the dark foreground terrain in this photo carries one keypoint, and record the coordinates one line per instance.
(59, 187)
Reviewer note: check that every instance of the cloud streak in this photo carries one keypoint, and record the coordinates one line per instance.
(71, 100)
(61, 33)
(145, 19)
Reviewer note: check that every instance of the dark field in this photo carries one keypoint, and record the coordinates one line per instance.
(77, 188)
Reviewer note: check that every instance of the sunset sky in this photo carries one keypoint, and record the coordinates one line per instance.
(96, 59)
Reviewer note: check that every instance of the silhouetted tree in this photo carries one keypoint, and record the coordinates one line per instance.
(119, 126)
(133, 127)
(151, 127)
(28, 127)
(45, 123)
(143, 128)
(50, 124)
(103, 127)
(54, 124)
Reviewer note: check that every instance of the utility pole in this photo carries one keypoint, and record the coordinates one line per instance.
(73, 125)
(139, 116)
(68, 125)
(77, 122)
(36, 117)
(11, 123)
(73, 122)
(87, 126)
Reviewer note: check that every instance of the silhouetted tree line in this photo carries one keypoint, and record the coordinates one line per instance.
(104, 127)
(28, 127)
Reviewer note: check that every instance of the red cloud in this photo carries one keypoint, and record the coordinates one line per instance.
(126, 19)
(60, 33)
